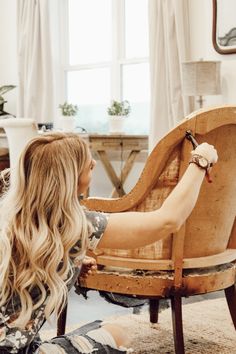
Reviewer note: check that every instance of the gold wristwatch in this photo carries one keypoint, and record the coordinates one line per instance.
(200, 161)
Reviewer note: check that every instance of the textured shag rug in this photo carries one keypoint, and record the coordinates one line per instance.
(208, 329)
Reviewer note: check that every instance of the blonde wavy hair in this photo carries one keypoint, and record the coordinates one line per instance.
(41, 220)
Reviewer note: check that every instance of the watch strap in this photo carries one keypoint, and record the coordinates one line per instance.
(199, 160)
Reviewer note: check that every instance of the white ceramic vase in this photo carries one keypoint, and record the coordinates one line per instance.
(116, 124)
(68, 123)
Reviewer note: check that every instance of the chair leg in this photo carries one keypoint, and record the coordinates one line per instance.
(176, 309)
(61, 322)
(230, 294)
(153, 310)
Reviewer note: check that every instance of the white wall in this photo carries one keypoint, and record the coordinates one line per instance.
(201, 47)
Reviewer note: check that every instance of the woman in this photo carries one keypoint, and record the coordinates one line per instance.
(45, 234)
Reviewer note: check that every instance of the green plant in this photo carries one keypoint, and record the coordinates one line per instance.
(68, 109)
(4, 89)
(119, 108)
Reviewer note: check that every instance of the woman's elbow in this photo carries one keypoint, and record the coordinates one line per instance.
(173, 224)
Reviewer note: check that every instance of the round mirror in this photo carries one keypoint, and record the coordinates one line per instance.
(224, 26)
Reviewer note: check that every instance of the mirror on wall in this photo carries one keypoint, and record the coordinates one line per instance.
(224, 26)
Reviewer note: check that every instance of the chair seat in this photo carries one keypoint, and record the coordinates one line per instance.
(161, 283)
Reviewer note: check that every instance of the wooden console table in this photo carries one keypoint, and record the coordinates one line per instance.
(106, 148)
(127, 147)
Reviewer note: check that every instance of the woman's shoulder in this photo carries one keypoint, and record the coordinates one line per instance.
(97, 219)
(97, 222)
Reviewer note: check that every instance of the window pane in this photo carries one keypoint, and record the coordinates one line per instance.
(90, 89)
(136, 86)
(136, 89)
(89, 31)
(136, 28)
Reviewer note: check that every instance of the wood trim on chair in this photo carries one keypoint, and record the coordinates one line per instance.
(167, 264)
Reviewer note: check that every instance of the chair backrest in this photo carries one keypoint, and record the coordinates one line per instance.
(19, 131)
(207, 231)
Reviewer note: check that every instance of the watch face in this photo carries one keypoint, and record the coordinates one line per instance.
(203, 162)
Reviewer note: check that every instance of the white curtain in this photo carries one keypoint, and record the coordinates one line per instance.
(36, 96)
(169, 46)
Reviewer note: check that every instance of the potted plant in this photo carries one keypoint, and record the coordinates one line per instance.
(68, 116)
(117, 112)
(4, 89)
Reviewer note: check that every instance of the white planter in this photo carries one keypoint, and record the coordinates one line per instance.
(68, 123)
(116, 124)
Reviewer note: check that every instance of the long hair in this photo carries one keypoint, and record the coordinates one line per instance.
(41, 220)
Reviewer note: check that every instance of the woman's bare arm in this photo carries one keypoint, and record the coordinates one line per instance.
(136, 229)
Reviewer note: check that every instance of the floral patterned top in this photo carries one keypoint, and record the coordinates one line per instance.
(16, 340)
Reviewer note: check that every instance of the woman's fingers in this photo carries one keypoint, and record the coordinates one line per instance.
(208, 151)
(89, 266)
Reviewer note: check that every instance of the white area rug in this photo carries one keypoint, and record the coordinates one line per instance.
(208, 329)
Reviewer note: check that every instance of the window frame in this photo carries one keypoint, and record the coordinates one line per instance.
(118, 50)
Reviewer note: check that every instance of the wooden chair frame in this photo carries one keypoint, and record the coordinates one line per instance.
(188, 270)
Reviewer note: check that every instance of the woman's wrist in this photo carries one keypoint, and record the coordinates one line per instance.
(200, 161)
(195, 172)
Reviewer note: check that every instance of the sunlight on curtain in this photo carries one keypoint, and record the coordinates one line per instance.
(35, 93)
(169, 46)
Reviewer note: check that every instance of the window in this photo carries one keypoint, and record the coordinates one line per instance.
(107, 58)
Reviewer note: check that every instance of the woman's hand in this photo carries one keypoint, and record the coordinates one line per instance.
(89, 266)
(208, 151)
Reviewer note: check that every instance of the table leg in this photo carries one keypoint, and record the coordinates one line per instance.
(126, 170)
(111, 173)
